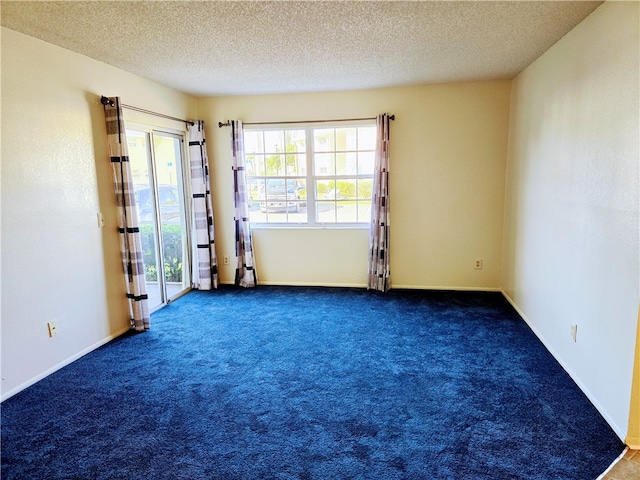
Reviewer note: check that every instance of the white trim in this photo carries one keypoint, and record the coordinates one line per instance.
(445, 288)
(312, 284)
(287, 125)
(364, 285)
(620, 432)
(310, 226)
(152, 127)
(603, 474)
(62, 364)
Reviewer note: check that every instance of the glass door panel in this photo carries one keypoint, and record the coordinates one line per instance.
(156, 165)
(170, 186)
(144, 188)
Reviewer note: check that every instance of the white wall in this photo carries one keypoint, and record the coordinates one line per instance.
(448, 154)
(56, 263)
(571, 243)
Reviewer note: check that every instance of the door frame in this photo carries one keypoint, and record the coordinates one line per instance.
(184, 189)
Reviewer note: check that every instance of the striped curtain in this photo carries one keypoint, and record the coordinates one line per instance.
(379, 273)
(245, 268)
(130, 244)
(205, 265)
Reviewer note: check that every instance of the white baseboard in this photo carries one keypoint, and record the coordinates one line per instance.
(447, 287)
(364, 285)
(604, 474)
(60, 365)
(620, 432)
(313, 284)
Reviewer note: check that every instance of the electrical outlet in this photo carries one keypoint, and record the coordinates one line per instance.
(574, 332)
(478, 264)
(53, 328)
(225, 260)
(100, 220)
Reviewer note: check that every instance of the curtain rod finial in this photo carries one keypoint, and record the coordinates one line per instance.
(105, 101)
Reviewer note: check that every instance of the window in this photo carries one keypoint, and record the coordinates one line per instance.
(310, 175)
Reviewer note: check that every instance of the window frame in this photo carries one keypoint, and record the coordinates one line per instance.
(310, 177)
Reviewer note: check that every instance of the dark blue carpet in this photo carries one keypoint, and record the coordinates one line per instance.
(312, 383)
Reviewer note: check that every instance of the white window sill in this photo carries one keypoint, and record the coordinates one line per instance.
(305, 226)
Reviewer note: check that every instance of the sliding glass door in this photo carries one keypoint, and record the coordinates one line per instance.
(156, 164)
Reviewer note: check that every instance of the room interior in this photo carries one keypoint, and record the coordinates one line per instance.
(534, 170)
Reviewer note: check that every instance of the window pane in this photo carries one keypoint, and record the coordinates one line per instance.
(277, 216)
(295, 141)
(324, 164)
(256, 216)
(259, 165)
(326, 212)
(167, 198)
(260, 183)
(276, 189)
(281, 201)
(346, 212)
(253, 191)
(257, 206)
(366, 161)
(346, 163)
(297, 216)
(253, 142)
(365, 187)
(293, 189)
(252, 165)
(364, 211)
(296, 164)
(346, 139)
(346, 189)
(367, 138)
(301, 167)
(274, 165)
(325, 189)
(323, 140)
(274, 141)
(301, 189)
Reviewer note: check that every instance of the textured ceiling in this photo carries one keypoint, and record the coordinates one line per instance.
(224, 48)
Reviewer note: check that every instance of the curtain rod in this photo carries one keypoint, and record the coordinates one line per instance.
(105, 101)
(228, 122)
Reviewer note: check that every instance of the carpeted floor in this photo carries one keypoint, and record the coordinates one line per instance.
(312, 383)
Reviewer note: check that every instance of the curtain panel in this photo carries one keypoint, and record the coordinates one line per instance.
(245, 267)
(128, 227)
(379, 273)
(205, 265)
